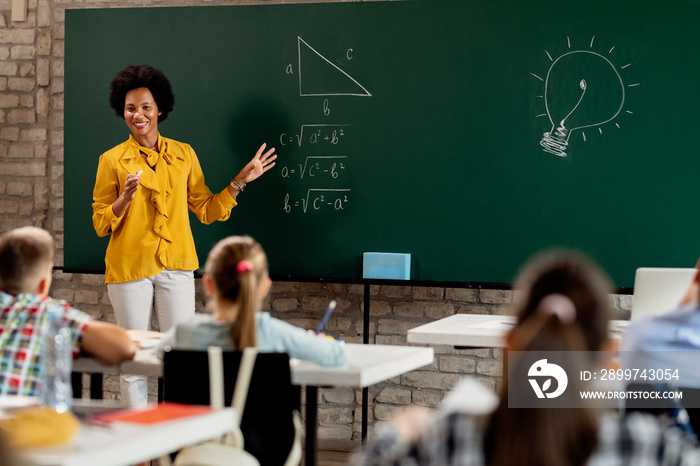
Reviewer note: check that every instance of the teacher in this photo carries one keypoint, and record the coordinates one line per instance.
(143, 190)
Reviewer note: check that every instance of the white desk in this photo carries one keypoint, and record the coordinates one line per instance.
(124, 443)
(367, 365)
(477, 331)
(144, 363)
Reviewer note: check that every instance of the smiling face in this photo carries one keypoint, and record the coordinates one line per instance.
(141, 116)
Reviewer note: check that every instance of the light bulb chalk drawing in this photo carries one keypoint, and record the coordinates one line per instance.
(583, 89)
(603, 80)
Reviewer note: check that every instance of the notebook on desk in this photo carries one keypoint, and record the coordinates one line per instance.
(658, 290)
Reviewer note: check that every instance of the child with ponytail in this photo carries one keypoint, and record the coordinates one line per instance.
(236, 282)
(562, 305)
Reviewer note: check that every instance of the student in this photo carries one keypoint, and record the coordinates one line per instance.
(657, 340)
(26, 262)
(563, 306)
(670, 343)
(236, 281)
(144, 190)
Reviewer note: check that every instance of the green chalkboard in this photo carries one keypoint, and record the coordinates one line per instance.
(470, 134)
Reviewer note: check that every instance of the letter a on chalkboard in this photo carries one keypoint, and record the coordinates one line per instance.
(318, 76)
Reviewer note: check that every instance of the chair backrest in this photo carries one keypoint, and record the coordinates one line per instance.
(661, 406)
(267, 423)
(691, 402)
(650, 404)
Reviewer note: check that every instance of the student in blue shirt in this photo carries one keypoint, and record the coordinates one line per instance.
(668, 345)
(662, 341)
(236, 281)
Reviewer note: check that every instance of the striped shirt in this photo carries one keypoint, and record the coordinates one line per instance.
(24, 325)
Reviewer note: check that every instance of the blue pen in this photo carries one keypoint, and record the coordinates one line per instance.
(331, 306)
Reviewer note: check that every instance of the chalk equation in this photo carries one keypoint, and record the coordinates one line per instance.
(321, 168)
(331, 165)
(317, 199)
(316, 134)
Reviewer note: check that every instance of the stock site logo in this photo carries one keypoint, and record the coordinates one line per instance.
(546, 371)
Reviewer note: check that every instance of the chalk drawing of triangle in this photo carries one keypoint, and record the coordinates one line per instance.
(319, 77)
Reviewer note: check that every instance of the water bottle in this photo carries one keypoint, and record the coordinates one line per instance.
(57, 392)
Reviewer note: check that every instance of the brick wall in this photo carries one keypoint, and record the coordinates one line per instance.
(31, 193)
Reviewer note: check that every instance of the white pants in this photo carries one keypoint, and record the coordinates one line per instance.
(171, 294)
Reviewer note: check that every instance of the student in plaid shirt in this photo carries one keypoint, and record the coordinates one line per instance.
(26, 263)
(563, 306)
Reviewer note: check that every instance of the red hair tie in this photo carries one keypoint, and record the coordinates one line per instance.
(244, 266)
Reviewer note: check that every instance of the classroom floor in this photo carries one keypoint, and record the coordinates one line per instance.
(333, 453)
(332, 458)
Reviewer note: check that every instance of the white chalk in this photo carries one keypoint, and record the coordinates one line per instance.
(139, 173)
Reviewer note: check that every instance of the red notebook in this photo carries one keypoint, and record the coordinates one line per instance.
(161, 412)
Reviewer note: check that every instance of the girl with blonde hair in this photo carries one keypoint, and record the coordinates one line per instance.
(236, 281)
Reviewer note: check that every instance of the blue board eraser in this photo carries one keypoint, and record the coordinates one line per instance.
(386, 265)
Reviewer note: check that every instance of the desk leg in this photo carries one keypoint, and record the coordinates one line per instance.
(95, 385)
(161, 393)
(365, 397)
(311, 422)
(76, 382)
(365, 317)
(96, 390)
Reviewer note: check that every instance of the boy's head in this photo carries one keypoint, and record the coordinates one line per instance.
(26, 260)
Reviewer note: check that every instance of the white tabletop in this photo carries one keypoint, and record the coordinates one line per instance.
(123, 443)
(144, 363)
(367, 365)
(476, 331)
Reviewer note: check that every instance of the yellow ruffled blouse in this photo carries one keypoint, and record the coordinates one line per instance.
(154, 233)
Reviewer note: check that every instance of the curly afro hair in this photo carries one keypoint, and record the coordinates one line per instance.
(136, 76)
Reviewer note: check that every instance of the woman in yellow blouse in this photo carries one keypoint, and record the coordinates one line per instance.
(143, 191)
